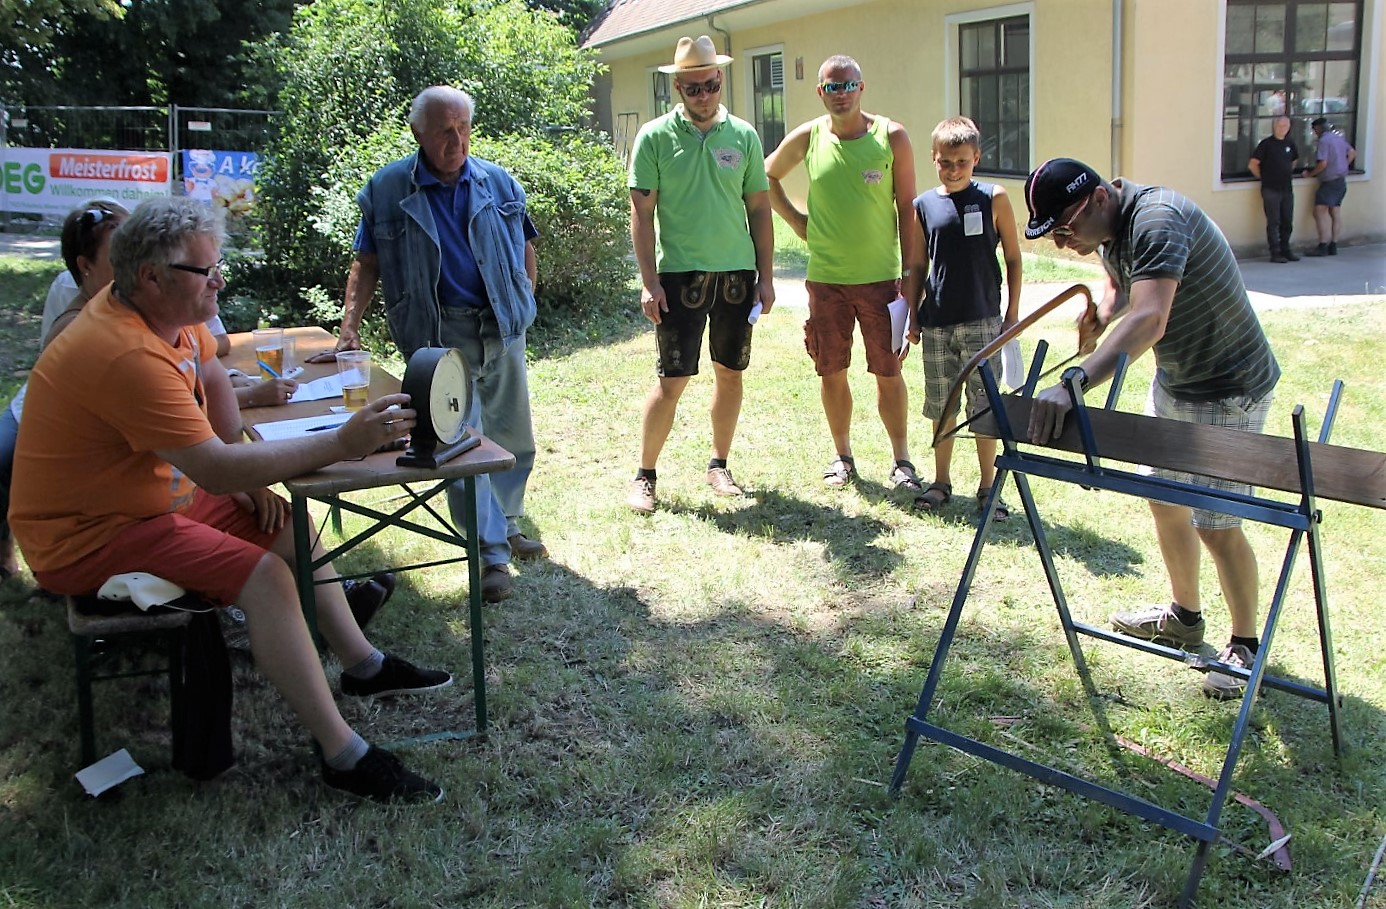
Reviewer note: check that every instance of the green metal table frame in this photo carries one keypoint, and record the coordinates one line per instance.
(400, 517)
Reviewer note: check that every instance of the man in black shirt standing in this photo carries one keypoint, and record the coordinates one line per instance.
(1273, 162)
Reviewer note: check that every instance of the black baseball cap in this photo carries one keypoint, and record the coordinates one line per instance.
(1054, 186)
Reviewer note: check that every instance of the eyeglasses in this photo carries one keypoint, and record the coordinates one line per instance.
(203, 270)
(694, 89)
(1065, 230)
(833, 88)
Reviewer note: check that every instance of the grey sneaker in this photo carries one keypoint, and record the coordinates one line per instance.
(1159, 624)
(641, 497)
(720, 479)
(1226, 687)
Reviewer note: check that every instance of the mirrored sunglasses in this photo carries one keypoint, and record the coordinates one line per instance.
(834, 88)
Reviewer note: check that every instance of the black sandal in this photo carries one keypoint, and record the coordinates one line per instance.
(841, 472)
(1000, 511)
(934, 498)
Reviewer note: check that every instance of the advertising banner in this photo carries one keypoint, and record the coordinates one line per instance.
(53, 181)
(221, 178)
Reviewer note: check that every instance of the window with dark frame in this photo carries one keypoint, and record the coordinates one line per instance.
(994, 90)
(1294, 58)
(767, 98)
(663, 93)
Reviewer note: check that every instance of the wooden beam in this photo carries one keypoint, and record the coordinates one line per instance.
(1350, 475)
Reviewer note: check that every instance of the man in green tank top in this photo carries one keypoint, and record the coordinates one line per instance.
(860, 169)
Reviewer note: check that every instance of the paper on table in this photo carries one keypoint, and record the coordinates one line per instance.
(899, 313)
(111, 770)
(318, 389)
(297, 429)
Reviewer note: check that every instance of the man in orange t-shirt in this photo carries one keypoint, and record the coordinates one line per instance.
(129, 459)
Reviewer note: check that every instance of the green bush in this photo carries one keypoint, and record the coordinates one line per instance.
(349, 70)
(579, 203)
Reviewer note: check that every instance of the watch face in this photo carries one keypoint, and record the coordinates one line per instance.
(449, 397)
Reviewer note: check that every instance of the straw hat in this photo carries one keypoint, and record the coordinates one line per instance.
(692, 55)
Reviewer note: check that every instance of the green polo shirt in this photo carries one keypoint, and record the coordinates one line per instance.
(702, 181)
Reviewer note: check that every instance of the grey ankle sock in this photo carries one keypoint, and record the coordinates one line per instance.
(367, 668)
(346, 758)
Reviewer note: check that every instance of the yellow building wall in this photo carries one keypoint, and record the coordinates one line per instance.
(1170, 111)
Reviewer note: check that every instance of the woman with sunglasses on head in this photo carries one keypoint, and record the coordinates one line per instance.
(86, 241)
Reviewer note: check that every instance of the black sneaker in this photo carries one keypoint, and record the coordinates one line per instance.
(365, 596)
(381, 777)
(396, 677)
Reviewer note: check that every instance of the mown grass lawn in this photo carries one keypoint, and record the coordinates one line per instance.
(702, 708)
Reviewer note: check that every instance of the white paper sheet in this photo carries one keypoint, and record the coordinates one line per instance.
(111, 770)
(1012, 369)
(297, 429)
(899, 318)
(318, 389)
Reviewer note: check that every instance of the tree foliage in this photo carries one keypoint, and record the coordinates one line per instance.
(349, 69)
(574, 14)
(137, 52)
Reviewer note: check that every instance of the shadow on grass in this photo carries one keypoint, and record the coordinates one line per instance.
(567, 331)
(778, 518)
(638, 756)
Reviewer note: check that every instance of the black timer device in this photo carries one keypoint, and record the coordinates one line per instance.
(440, 390)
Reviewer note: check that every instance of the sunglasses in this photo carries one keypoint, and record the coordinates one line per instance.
(1065, 230)
(694, 89)
(203, 270)
(834, 88)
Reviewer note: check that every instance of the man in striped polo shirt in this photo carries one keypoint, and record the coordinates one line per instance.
(1172, 276)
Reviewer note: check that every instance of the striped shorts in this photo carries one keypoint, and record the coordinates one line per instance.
(1237, 412)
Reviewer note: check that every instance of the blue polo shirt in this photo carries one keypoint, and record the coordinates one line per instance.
(459, 279)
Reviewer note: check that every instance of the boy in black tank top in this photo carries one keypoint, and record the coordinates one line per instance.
(958, 293)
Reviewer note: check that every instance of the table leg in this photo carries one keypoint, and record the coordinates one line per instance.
(474, 568)
(303, 563)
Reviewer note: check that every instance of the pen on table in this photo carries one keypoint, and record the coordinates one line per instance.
(321, 428)
(268, 368)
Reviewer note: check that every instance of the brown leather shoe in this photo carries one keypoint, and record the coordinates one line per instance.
(495, 583)
(522, 547)
(641, 497)
(722, 483)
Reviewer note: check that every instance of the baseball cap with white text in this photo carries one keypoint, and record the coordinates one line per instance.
(1054, 186)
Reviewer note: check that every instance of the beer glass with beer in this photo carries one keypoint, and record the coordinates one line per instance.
(269, 351)
(354, 366)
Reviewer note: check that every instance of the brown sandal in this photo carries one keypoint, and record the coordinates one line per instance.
(841, 472)
(934, 498)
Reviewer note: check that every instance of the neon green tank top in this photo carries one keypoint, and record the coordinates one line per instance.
(853, 237)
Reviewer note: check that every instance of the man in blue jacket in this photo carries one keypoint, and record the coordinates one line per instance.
(447, 239)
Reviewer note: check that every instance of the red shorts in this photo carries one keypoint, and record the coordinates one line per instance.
(834, 310)
(210, 550)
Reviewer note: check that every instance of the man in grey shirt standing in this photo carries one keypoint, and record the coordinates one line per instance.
(1173, 277)
(1334, 156)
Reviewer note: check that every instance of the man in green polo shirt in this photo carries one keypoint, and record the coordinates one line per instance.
(860, 170)
(700, 223)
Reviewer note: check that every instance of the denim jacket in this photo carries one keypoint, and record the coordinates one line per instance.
(406, 242)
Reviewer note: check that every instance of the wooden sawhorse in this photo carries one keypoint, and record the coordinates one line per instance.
(1309, 469)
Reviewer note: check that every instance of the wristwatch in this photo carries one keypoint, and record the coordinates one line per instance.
(1076, 374)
